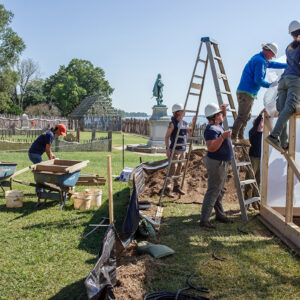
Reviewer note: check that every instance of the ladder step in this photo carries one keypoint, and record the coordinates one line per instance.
(194, 94)
(198, 76)
(190, 111)
(226, 92)
(174, 177)
(182, 145)
(243, 163)
(194, 138)
(223, 76)
(196, 86)
(177, 161)
(217, 58)
(251, 200)
(247, 181)
(202, 60)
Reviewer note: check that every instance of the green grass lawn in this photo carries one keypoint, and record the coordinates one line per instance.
(42, 255)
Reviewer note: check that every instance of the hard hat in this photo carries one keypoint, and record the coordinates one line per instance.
(211, 109)
(62, 128)
(177, 107)
(271, 46)
(294, 25)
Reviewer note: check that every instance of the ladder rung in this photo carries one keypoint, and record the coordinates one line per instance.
(220, 75)
(198, 76)
(251, 200)
(194, 94)
(177, 176)
(243, 163)
(182, 145)
(190, 111)
(202, 60)
(196, 86)
(226, 92)
(179, 160)
(217, 57)
(194, 138)
(247, 181)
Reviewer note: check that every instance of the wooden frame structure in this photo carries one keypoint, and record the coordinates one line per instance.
(281, 220)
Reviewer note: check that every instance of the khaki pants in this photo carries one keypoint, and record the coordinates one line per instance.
(245, 103)
(176, 168)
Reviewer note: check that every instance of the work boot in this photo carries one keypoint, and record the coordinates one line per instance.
(245, 142)
(207, 225)
(285, 147)
(168, 193)
(178, 190)
(223, 220)
(274, 142)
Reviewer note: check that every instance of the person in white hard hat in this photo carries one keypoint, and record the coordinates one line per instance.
(288, 91)
(219, 155)
(177, 110)
(253, 78)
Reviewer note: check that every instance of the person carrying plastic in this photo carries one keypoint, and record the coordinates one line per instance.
(288, 91)
(219, 155)
(43, 143)
(176, 168)
(255, 137)
(253, 78)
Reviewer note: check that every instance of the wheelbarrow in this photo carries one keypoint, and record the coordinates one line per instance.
(55, 179)
(7, 169)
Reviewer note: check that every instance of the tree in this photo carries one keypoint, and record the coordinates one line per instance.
(11, 46)
(27, 71)
(71, 84)
(33, 94)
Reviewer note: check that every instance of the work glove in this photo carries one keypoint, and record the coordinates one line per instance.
(274, 83)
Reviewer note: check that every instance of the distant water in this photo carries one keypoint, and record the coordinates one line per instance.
(201, 120)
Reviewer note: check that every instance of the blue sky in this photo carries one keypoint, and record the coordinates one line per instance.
(134, 40)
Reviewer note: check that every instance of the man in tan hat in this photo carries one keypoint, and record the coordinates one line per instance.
(253, 78)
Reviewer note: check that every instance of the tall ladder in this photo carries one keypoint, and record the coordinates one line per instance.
(213, 57)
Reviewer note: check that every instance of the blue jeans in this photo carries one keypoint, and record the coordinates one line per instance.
(35, 158)
(287, 100)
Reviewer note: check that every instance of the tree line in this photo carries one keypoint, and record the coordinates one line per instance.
(21, 85)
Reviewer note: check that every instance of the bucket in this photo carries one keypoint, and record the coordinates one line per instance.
(96, 197)
(14, 198)
(82, 200)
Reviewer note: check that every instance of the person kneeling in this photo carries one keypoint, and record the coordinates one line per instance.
(219, 155)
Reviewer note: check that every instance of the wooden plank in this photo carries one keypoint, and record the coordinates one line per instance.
(110, 190)
(20, 172)
(287, 232)
(265, 167)
(66, 162)
(158, 216)
(281, 210)
(51, 168)
(77, 167)
(196, 86)
(293, 165)
(290, 172)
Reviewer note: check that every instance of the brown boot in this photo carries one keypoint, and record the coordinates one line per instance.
(178, 190)
(235, 141)
(245, 142)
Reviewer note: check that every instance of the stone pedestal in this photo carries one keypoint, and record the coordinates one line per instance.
(159, 123)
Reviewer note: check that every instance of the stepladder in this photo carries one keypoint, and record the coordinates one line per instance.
(209, 54)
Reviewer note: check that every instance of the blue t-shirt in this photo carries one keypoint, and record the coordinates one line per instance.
(293, 61)
(182, 132)
(224, 153)
(39, 145)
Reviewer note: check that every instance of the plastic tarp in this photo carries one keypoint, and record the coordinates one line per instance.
(277, 174)
(99, 283)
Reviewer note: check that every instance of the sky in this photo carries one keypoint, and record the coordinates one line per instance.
(134, 40)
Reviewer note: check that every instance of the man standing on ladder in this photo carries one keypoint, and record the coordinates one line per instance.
(219, 155)
(176, 168)
(253, 78)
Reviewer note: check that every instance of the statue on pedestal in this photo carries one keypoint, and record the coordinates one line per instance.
(157, 90)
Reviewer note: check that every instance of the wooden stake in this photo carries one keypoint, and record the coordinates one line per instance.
(110, 190)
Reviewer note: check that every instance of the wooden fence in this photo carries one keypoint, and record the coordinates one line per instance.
(136, 126)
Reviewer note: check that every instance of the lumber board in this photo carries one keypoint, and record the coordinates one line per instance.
(66, 162)
(158, 216)
(265, 167)
(281, 210)
(51, 168)
(77, 167)
(20, 172)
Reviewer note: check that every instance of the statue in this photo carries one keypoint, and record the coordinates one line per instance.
(157, 90)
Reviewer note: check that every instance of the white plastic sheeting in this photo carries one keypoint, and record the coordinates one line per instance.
(277, 175)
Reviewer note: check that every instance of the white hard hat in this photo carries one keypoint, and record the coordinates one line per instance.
(211, 109)
(176, 107)
(271, 46)
(294, 25)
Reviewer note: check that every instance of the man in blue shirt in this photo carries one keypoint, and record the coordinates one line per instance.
(253, 78)
(219, 155)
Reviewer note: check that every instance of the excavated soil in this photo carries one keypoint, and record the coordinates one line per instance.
(133, 269)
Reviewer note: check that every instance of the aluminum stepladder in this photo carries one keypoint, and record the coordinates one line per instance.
(212, 56)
